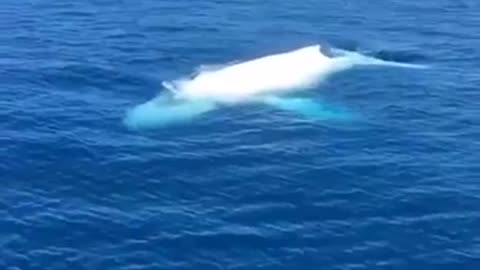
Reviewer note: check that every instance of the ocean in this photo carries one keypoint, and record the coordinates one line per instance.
(242, 187)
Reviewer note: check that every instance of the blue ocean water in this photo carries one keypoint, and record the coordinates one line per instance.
(248, 187)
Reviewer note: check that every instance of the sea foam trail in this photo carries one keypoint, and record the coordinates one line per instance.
(270, 80)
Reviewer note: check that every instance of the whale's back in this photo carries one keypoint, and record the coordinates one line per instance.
(273, 73)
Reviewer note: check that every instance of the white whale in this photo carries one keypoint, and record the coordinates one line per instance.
(270, 80)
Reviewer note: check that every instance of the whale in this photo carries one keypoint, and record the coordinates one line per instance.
(273, 80)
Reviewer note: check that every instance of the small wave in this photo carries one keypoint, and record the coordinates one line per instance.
(399, 56)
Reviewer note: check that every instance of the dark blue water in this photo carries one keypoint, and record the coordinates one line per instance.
(248, 187)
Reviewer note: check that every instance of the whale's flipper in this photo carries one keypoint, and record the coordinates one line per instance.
(163, 111)
(308, 107)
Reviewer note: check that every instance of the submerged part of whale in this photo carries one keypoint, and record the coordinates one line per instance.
(270, 80)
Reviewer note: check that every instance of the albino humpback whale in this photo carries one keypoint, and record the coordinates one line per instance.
(269, 80)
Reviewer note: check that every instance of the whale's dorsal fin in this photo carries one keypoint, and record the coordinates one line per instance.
(326, 50)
